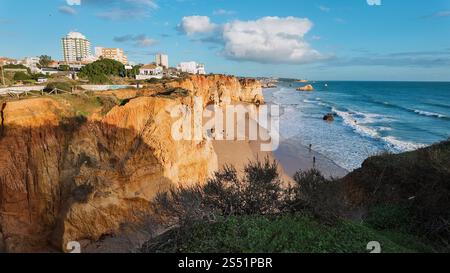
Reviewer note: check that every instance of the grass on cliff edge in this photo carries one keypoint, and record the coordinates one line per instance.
(88, 103)
(296, 233)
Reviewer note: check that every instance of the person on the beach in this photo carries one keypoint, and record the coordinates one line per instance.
(314, 162)
(310, 147)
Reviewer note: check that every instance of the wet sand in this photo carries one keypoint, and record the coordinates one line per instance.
(294, 156)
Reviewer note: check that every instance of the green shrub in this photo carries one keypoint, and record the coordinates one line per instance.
(22, 76)
(64, 67)
(107, 103)
(38, 75)
(389, 217)
(290, 233)
(153, 81)
(316, 194)
(173, 93)
(15, 66)
(124, 102)
(99, 71)
(29, 81)
(66, 86)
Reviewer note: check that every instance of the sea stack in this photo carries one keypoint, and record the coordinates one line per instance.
(308, 87)
(328, 117)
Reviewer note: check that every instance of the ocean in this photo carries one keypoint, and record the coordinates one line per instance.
(370, 117)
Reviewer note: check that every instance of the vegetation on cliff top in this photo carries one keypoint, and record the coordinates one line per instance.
(100, 71)
(286, 233)
(404, 206)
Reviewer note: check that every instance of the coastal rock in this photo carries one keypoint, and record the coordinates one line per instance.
(308, 87)
(269, 85)
(65, 177)
(329, 117)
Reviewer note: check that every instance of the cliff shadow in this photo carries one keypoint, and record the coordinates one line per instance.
(75, 180)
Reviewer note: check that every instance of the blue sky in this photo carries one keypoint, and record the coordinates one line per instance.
(315, 39)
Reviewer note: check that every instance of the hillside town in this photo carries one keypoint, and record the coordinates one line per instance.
(77, 53)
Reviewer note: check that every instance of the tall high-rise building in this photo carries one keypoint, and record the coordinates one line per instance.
(111, 53)
(76, 47)
(162, 60)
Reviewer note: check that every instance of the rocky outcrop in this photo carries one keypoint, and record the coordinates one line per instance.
(65, 178)
(328, 117)
(308, 87)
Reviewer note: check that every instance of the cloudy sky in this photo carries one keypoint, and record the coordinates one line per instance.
(315, 39)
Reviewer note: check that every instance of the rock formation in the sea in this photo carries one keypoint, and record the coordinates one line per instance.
(269, 85)
(329, 117)
(308, 87)
(66, 177)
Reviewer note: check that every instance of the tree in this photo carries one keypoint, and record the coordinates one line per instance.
(45, 60)
(22, 76)
(134, 71)
(99, 71)
(64, 67)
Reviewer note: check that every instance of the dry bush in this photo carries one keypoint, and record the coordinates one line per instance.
(258, 192)
(317, 194)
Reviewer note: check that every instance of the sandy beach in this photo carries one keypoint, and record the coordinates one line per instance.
(291, 156)
(294, 157)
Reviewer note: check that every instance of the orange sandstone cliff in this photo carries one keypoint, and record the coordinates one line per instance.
(66, 177)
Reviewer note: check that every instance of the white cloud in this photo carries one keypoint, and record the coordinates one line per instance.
(122, 14)
(146, 42)
(149, 3)
(374, 2)
(196, 24)
(324, 8)
(444, 13)
(223, 12)
(67, 10)
(120, 9)
(138, 40)
(73, 2)
(270, 40)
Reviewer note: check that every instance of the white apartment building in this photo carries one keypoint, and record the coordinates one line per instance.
(192, 68)
(111, 53)
(32, 63)
(162, 60)
(76, 48)
(150, 71)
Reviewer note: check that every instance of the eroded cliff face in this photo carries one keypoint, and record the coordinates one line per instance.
(65, 178)
(222, 89)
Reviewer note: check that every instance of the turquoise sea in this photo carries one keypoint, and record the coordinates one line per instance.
(370, 117)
